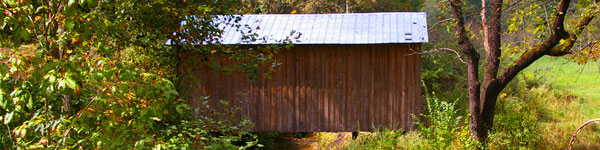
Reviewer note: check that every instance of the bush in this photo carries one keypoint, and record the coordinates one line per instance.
(386, 139)
(444, 130)
(516, 126)
(95, 102)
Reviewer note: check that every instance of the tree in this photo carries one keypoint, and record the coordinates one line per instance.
(98, 74)
(331, 6)
(483, 95)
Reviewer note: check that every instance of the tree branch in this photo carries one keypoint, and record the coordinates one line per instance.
(565, 47)
(492, 39)
(577, 132)
(443, 49)
(552, 46)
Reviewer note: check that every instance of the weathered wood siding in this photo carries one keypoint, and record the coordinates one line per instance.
(326, 88)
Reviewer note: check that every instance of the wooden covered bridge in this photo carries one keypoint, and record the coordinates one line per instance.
(347, 72)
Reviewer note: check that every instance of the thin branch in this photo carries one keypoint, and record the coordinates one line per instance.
(547, 19)
(577, 132)
(512, 5)
(441, 21)
(10, 134)
(589, 45)
(88, 105)
(444, 49)
(485, 27)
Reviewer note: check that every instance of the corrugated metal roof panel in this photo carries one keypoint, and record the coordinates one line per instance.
(355, 28)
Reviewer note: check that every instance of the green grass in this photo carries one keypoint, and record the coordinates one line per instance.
(565, 114)
(581, 80)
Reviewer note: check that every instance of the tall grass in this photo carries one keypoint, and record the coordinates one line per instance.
(533, 113)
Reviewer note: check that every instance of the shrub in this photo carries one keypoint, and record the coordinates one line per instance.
(95, 102)
(444, 130)
(385, 139)
(516, 126)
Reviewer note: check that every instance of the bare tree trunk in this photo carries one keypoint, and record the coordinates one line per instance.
(473, 70)
(492, 41)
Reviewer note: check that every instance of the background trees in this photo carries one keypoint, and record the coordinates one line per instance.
(98, 74)
(330, 6)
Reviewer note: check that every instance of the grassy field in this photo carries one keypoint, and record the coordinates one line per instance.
(581, 80)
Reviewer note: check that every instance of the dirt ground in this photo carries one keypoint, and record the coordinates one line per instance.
(310, 141)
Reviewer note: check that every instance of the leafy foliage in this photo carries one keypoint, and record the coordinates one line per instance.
(384, 139)
(444, 130)
(331, 6)
(101, 75)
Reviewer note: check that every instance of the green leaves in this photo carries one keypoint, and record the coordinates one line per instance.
(98, 66)
(71, 2)
(22, 34)
(3, 101)
(8, 117)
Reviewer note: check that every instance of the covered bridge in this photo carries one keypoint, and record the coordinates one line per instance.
(347, 72)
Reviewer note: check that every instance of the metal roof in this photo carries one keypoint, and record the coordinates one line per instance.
(353, 28)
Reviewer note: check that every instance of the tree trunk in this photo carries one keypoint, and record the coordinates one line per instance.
(492, 38)
(473, 70)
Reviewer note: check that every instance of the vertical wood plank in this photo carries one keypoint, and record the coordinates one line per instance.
(306, 108)
(325, 88)
(386, 89)
(405, 90)
(392, 86)
(273, 95)
(411, 83)
(355, 84)
(373, 107)
(318, 100)
(396, 91)
(297, 88)
(358, 95)
(290, 94)
(280, 102)
(340, 87)
(363, 90)
(418, 99)
(263, 102)
(378, 90)
(314, 95)
(347, 109)
(352, 85)
(416, 81)
(336, 86)
(400, 86)
(381, 91)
